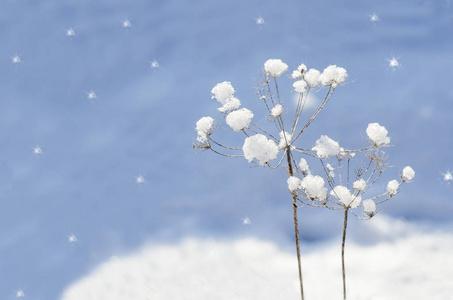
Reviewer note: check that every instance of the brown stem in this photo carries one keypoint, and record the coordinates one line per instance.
(345, 225)
(296, 224)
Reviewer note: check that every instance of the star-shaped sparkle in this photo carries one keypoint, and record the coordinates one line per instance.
(72, 238)
(259, 21)
(70, 32)
(20, 294)
(447, 177)
(140, 179)
(394, 63)
(126, 23)
(37, 150)
(91, 95)
(246, 221)
(374, 18)
(16, 59)
(154, 64)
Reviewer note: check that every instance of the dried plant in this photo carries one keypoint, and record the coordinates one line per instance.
(275, 144)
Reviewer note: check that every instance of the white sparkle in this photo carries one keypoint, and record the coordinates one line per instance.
(447, 177)
(246, 221)
(70, 32)
(126, 23)
(20, 294)
(91, 95)
(37, 150)
(259, 21)
(154, 64)
(374, 18)
(16, 59)
(72, 238)
(394, 63)
(140, 179)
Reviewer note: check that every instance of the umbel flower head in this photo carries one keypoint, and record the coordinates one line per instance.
(275, 67)
(258, 147)
(321, 174)
(377, 134)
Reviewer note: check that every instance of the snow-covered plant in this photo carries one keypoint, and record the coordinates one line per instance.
(276, 143)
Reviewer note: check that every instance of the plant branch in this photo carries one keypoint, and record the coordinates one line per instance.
(343, 242)
(296, 224)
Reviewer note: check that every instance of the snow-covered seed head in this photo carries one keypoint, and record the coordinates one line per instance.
(377, 134)
(277, 110)
(300, 86)
(312, 77)
(275, 67)
(345, 197)
(369, 207)
(304, 167)
(333, 75)
(293, 184)
(231, 104)
(299, 72)
(359, 185)
(314, 188)
(325, 147)
(296, 74)
(259, 147)
(392, 187)
(285, 140)
(204, 127)
(222, 92)
(239, 119)
(407, 174)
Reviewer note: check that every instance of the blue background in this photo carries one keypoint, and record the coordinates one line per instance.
(142, 122)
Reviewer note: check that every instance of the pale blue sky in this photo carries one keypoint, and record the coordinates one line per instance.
(142, 121)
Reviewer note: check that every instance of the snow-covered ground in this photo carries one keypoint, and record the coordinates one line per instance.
(407, 263)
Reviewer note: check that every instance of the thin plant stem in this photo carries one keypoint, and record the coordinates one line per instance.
(343, 242)
(296, 224)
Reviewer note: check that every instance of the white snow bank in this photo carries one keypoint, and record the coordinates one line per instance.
(409, 263)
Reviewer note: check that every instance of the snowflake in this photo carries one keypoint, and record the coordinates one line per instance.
(447, 177)
(70, 32)
(246, 221)
(126, 24)
(394, 63)
(20, 294)
(140, 179)
(37, 150)
(154, 64)
(91, 95)
(72, 238)
(259, 21)
(16, 59)
(374, 18)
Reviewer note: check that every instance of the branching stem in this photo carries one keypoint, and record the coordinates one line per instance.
(343, 242)
(296, 224)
